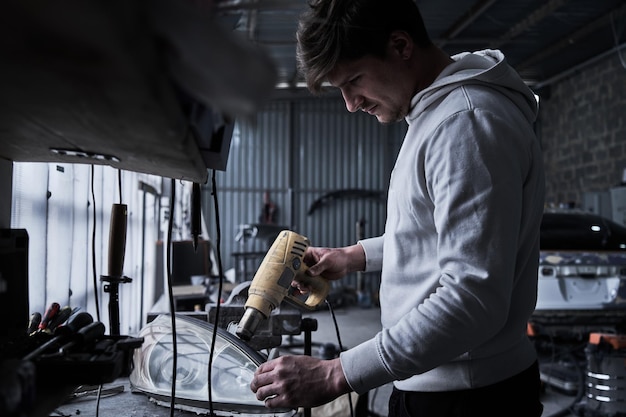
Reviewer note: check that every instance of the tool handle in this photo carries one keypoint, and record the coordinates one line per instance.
(318, 286)
(60, 318)
(78, 321)
(62, 334)
(73, 324)
(52, 311)
(117, 239)
(86, 335)
(91, 332)
(33, 324)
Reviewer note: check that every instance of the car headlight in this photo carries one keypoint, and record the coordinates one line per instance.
(233, 367)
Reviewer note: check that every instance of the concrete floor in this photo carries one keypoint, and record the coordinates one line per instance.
(355, 324)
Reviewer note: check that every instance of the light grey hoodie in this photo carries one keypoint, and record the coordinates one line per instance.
(460, 251)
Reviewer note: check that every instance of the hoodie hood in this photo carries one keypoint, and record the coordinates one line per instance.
(487, 67)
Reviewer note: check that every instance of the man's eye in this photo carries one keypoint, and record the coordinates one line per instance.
(355, 80)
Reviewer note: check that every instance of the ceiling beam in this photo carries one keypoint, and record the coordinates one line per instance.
(477, 41)
(472, 14)
(260, 5)
(572, 38)
(530, 20)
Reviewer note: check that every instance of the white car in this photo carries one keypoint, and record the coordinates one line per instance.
(582, 264)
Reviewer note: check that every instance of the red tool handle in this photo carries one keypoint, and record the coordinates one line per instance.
(49, 315)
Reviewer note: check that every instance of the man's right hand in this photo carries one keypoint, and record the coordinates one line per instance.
(335, 263)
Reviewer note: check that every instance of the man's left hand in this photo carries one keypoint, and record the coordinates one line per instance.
(299, 381)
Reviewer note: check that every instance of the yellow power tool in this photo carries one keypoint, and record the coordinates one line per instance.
(272, 282)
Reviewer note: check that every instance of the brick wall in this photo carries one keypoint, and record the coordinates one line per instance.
(582, 125)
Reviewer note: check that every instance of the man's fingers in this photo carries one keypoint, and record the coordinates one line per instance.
(261, 377)
(314, 270)
(273, 402)
(262, 387)
(265, 393)
(302, 288)
(266, 390)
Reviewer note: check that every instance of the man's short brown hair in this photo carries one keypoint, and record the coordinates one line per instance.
(335, 30)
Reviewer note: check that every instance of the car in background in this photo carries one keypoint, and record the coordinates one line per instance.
(581, 290)
(582, 262)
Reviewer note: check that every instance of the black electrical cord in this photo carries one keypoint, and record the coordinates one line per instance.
(98, 400)
(218, 243)
(332, 314)
(93, 246)
(171, 296)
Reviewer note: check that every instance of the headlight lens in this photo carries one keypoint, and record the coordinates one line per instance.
(233, 367)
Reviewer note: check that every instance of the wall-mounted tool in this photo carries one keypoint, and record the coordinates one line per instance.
(272, 282)
(117, 248)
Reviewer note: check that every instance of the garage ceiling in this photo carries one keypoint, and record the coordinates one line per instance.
(122, 82)
(543, 40)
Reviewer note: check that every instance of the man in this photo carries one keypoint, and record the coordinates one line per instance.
(459, 255)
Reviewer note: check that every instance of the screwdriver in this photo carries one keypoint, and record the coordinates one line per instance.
(33, 324)
(62, 333)
(60, 318)
(49, 315)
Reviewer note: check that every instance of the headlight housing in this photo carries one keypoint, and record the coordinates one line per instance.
(233, 367)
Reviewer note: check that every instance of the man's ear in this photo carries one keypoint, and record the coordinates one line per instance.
(401, 44)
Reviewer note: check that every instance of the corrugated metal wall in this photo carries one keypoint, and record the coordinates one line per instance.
(300, 151)
(54, 202)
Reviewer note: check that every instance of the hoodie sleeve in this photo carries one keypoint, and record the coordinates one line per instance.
(373, 249)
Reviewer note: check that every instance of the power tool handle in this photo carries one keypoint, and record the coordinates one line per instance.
(319, 288)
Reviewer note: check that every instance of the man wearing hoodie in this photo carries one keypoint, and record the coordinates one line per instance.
(460, 251)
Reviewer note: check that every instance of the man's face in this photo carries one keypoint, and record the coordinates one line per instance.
(375, 86)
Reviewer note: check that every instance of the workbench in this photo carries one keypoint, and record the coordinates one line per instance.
(116, 400)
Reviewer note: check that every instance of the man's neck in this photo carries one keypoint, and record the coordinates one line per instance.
(430, 62)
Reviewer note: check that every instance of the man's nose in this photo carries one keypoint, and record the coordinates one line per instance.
(353, 101)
